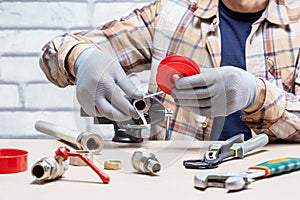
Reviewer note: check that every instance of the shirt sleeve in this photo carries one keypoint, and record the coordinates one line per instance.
(129, 40)
(279, 116)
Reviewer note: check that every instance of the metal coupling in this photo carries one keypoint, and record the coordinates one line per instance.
(49, 168)
(77, 161)
(90, 142)
(83, 141)
(142, 105)
(145, 162)
(112, 164)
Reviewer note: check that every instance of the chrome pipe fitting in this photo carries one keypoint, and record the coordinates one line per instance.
(142, 105)
(49, 168)
(83, 141)
(77, 161)
(145, 162)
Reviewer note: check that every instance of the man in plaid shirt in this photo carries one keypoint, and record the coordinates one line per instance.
(248, 52)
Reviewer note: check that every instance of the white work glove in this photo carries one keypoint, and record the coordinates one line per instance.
(103, 88)
(217, 91)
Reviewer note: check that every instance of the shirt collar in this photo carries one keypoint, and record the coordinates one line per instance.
(276, 12)
(207, 9)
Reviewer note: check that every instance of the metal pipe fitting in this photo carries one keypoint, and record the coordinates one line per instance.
(77, 161)
(145, 162)
(83, 141)
(49, 168)
(142, 105)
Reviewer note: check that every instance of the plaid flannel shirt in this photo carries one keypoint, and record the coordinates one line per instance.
(165, 27)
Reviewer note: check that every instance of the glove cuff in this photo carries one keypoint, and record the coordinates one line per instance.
(260, 97)
(74, 55)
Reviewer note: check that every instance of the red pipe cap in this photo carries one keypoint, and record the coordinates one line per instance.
(172, 67)
(13, 161)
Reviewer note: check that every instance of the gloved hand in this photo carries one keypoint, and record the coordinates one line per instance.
(102, 85)
(216, 92)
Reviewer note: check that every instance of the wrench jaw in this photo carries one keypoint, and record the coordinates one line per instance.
(210, 160)
(203, 180)
(199, 164)
(231, 183)
(237, 183)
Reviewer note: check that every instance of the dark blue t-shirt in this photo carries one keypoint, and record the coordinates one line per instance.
(235, 28)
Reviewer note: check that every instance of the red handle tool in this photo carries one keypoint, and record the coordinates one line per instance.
(63, 152)
(173, 67)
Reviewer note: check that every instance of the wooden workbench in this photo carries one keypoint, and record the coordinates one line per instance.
(173, 181)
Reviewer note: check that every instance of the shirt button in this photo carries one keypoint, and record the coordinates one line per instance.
(204, 124)
(249, 119)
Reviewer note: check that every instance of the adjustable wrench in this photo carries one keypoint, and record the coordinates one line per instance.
(241, 180)
(233, 147)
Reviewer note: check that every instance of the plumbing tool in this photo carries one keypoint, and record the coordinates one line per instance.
(151, 112)
(241, 180)
(233, 147)
(173, 67)
(83, 141)
(51, 168)
(145, 162)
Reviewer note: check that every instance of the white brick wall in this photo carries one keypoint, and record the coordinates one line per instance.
(26, 68)
(9, 96)
(25, 42)
(44, 15)
(43, 96)
(25, 94)
(103, 10)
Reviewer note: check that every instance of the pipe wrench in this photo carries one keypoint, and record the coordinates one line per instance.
(233, 147)
(241, 180)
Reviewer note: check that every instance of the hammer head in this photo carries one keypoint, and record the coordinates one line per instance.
(230, 181)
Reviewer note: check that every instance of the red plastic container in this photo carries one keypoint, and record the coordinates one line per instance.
(13, 161)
